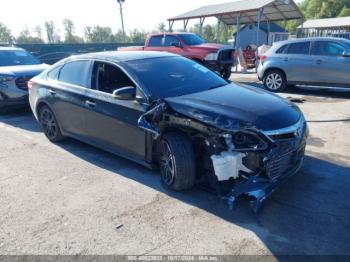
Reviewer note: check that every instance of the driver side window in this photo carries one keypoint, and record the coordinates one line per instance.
(107, 78)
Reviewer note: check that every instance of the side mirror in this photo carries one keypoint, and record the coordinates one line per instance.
(346, 53)
(125, 93)
(176, 44)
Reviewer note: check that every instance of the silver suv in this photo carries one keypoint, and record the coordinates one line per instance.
(17, 66)
(309, 61)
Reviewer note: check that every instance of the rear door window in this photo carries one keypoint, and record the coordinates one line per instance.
(75, 73)
(326, 48)
(170, 40)
(156, 41)
(282, 49)
(301, 48)
(53, 74)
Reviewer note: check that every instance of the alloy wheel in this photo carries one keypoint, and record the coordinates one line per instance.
(274, 81)
(49, 124)
(167, 164)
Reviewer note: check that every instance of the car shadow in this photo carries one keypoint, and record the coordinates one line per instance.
(312, 91)
(19, 118)
(309, 214)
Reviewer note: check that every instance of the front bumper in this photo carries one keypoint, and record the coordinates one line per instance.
(261, 186)
(8, 103)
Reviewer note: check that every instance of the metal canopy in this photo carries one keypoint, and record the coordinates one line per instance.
(247, 10)
(327, 23)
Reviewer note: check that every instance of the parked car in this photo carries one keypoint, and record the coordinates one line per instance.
(219, 58)
(163, 110)
(308, 61)
(17, 66)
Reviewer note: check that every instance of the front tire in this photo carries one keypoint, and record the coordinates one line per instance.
(226, 72)
(50, 125)
(275, 81)
(177, 162)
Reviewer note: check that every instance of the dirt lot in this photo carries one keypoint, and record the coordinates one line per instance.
(71, 198)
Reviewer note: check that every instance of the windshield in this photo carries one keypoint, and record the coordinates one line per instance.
(174, 76)
(192, 39)
(17, 57)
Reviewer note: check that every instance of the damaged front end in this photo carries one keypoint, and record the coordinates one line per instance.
(234, 158)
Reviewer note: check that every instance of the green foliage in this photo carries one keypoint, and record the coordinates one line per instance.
(51, 34)
(69, 28)
(98, 34)
(137, 36)
(209, 32)
(25, 37)
(345, 12)
(5, 34)
(314, 9)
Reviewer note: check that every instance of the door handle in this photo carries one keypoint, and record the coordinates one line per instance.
(90, 103)
(286, 59)
(52, 92)
(318, 62)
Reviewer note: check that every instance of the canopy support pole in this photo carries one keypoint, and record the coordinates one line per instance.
(171, 23)
(260, 14)
(218, 30)
(268, 33)
(201, 23)
(185, 24)
(238, 26)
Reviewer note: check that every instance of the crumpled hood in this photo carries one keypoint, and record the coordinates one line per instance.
(235, 106)
(23, 70)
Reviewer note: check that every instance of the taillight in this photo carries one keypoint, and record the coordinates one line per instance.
(30, 84)
(263, 58)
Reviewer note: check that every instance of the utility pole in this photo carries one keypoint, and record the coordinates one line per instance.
(121, 2)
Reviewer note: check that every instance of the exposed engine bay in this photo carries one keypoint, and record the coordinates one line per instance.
(232, 157)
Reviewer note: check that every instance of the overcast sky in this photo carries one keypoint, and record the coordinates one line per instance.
(141, 14)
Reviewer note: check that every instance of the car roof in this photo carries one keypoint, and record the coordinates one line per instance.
(122, 56)
(309, 39)
(10, 48)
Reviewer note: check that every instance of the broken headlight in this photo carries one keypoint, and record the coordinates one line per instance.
(244, 140)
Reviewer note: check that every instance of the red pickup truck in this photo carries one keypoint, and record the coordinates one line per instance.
(217, 57)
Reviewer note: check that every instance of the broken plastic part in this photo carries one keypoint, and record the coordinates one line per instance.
(228, 165)
(147, 120)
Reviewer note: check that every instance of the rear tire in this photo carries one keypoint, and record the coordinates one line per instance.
(177, 162)
(275, 81)
(50, 125)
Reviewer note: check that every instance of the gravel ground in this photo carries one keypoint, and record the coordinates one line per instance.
(71, 198)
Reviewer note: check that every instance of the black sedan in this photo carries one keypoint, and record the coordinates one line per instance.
(165, 111)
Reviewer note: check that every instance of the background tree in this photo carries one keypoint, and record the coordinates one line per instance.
(98, 34)
(25, 37)
(5, 34)
(137, 36)
(50, 31)
(69, 36)
(323, 8)
(345, 12)
(314, 9)
(39, 32)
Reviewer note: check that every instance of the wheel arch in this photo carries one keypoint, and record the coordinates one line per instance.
(38, 107)
(276, 69)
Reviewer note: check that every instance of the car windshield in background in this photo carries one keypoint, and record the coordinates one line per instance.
(191, 39)
(17, 57)
(174, 76)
